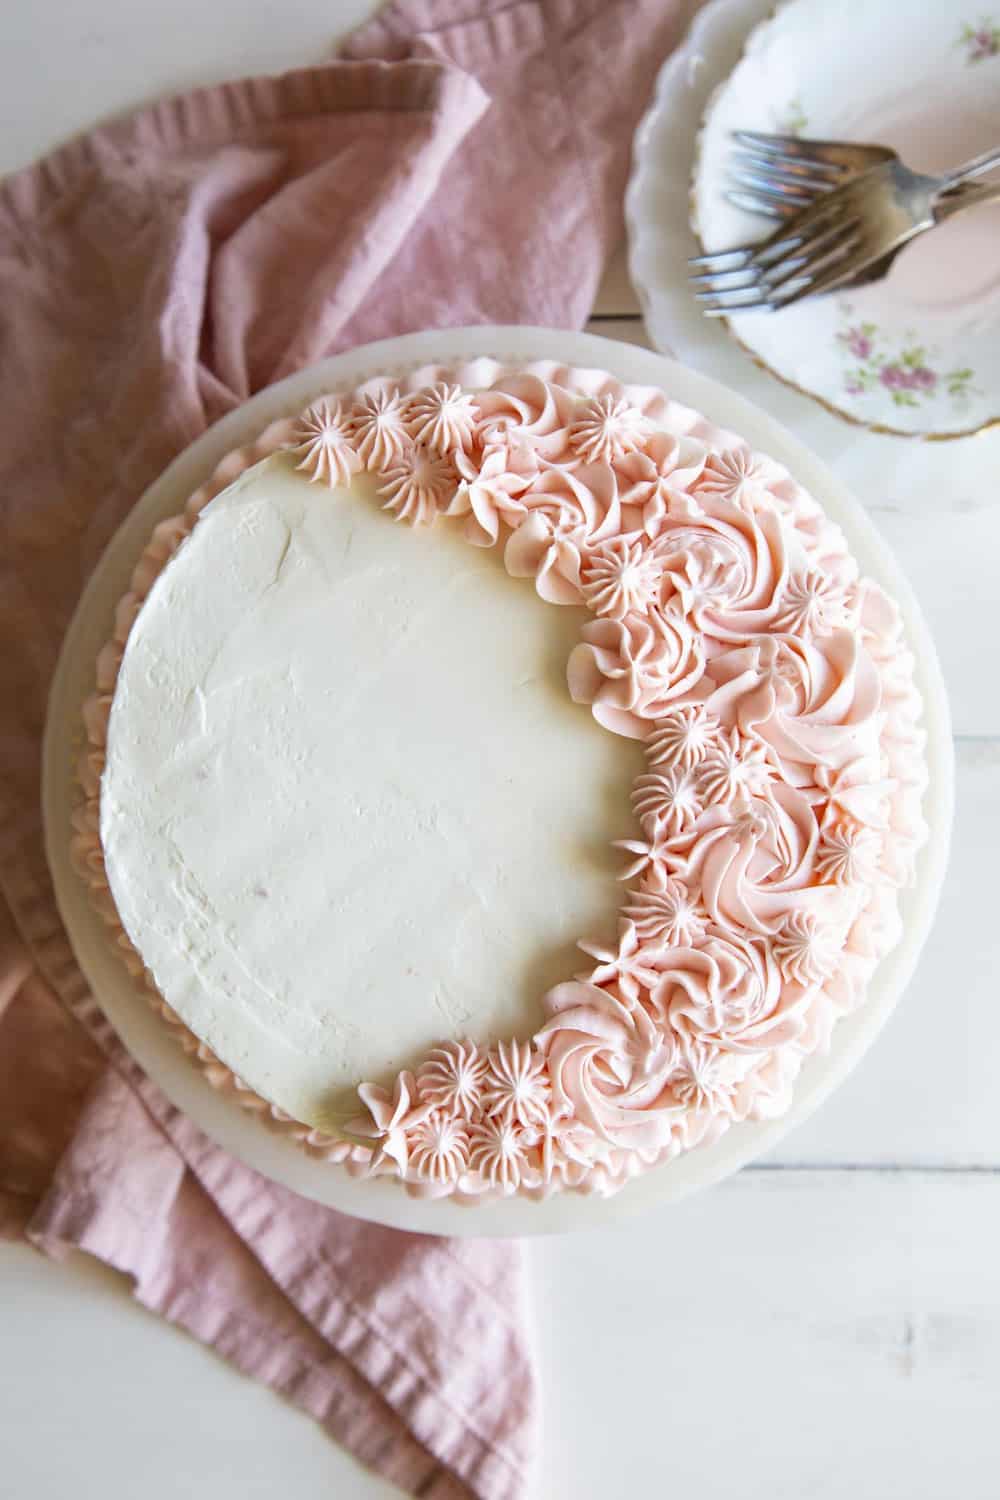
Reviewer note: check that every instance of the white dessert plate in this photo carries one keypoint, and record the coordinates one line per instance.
(919, 353)
(149, 1039)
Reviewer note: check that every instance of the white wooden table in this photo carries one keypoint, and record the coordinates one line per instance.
(825, 1325)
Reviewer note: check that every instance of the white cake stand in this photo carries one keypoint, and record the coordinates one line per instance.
(144, 1033)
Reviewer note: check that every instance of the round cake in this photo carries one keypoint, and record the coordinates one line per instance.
(346, 826)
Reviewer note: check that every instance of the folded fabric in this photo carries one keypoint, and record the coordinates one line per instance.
(464, 162)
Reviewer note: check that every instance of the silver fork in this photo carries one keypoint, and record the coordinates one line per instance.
(843, 232)
(776, 175)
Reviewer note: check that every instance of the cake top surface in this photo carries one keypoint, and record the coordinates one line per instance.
(348, 818)
(349, 807)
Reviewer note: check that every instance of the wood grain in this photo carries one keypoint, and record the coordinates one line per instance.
(804, 1335)
(801, 1336)
(616, 296)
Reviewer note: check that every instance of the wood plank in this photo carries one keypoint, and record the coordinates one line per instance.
(66, 65)
(813, 1334)
(625, 330)
(820, 1335)
(105, 1391)
(949, 550)
(616, 295)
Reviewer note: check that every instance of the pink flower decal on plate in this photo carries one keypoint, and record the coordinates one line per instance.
(907, 372)
(981, 41)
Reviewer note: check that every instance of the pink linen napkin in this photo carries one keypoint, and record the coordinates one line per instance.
(464, 162)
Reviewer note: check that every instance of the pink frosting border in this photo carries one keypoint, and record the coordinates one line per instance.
(424, 1114)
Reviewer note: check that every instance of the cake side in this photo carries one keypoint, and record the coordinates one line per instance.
(779, 812)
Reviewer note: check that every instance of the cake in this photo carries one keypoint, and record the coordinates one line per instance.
(343, 825)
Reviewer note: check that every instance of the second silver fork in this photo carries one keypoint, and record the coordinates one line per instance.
(850, 228)
(776, 175)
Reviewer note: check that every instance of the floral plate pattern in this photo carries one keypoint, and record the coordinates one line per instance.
(806, 70)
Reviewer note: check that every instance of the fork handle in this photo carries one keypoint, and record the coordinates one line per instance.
(974, 168)
(954, 203)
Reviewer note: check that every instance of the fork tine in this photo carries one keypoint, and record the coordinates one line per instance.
(722, 279)
(815, 149)
(813, 257)
(821, 215)
(832, 254)
(806, 256)
(741, 257)
(708, 291)
(843, 270)
(775, 188)
(735, 299)
(753, 203)
(804, 226)
(820, 174)
(763, 298)
(774, 144)
(724, 309)
(737, 258)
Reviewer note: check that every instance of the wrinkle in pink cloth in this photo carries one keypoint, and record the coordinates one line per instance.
(464, 162)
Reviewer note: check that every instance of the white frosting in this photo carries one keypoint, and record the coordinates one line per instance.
(334, 836)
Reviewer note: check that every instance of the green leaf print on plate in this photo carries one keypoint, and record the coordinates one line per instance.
(908, 374)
